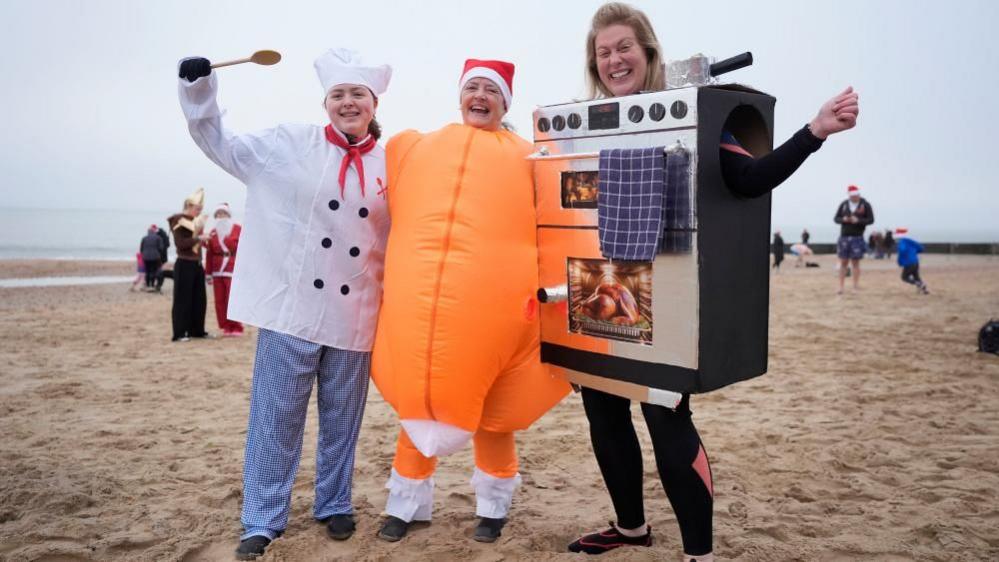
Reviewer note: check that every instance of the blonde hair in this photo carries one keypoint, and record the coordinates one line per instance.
(614, 13)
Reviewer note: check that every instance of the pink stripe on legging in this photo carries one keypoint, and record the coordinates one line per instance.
(703, 469)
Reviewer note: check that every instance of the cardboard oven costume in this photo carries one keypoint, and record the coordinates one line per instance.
(682, 306)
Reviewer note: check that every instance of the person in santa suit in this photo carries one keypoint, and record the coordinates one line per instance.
(220, 259)
(189, 297)
(309, 275)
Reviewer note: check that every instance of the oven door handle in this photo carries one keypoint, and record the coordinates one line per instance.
(543, 155)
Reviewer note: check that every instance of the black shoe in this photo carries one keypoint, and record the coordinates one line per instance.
(340, 527)
(393, 529)
(488, 529)
(252, 547)
(599, 543)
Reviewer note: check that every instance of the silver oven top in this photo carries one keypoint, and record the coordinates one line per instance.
(640, 113)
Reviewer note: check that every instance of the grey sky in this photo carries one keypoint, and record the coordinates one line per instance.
(92, 118)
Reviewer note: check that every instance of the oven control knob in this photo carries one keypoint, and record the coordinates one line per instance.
(544, 125)
(575, 120)
(678, 110)
(657, 111)
(558, 122)
(636, 113)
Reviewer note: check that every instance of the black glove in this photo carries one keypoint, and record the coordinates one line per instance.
(195, 68)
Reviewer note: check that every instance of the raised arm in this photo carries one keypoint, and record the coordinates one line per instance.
(751, 177)
(244, 155)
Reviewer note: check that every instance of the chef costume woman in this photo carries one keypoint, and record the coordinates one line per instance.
(309, 276)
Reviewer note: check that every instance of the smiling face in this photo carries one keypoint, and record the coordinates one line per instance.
(482, 104)
(621, 61)
(351, 108)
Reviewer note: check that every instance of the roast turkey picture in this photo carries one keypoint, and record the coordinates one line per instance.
(612, 302)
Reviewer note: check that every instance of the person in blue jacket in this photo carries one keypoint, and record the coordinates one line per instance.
(908, 259)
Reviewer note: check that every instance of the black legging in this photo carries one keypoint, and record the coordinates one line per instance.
(189, 299)
(677, 447)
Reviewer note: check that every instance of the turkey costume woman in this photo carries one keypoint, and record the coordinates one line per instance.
(309, 276)
(457, 352)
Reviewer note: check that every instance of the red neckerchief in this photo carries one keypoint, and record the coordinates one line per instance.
(354, 153)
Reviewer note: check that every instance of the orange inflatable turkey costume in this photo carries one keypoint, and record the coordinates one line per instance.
(457, 348)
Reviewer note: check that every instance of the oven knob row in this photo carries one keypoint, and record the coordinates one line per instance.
(657, 112)
(559, 123)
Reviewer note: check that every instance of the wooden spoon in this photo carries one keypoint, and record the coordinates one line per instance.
(265, 58)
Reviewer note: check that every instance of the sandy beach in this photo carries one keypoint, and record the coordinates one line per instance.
(874, 436)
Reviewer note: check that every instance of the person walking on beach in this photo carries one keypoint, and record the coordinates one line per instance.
(190, 299)
(908, 259)
(623, 58)
(778, 250)
(853, 215)
(165, 238)
(151, 249)
(805, 236)
(220, 259)
(309, 275)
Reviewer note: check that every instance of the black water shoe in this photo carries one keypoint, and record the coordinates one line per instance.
(393, 529)
(340, 527)
(489, 529)
(252, 547)
(601, 542)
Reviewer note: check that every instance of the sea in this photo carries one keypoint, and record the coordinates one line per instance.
(110, 234)
(78, 234)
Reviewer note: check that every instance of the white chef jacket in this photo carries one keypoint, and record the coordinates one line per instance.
(310, 261)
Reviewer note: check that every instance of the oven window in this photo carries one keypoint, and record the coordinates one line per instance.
(611, 300)
(579, 190)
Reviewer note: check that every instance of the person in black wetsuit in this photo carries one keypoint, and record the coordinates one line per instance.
(624, 57)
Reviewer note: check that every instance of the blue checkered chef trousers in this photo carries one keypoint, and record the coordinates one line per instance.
(283, 371)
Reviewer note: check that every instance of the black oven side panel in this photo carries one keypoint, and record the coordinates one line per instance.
(652, 375)
(733, 251)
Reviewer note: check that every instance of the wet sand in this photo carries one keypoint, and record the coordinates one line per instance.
(874, 435)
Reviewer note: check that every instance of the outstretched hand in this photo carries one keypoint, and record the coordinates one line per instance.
(837, 114)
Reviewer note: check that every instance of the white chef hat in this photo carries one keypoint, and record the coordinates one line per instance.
(344, 66)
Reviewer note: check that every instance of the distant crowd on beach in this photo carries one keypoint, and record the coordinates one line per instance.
(854, 215)
(202, 258)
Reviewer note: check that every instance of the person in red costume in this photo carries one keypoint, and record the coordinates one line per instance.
(220, 258)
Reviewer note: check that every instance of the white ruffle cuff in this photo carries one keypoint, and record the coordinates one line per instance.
(409, 499)
(493, 495)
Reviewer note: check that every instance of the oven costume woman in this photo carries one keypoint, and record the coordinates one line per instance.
(309, 276)
(457, 351)
(623, 58)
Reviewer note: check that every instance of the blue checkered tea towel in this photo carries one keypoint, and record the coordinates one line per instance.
(630, 202)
